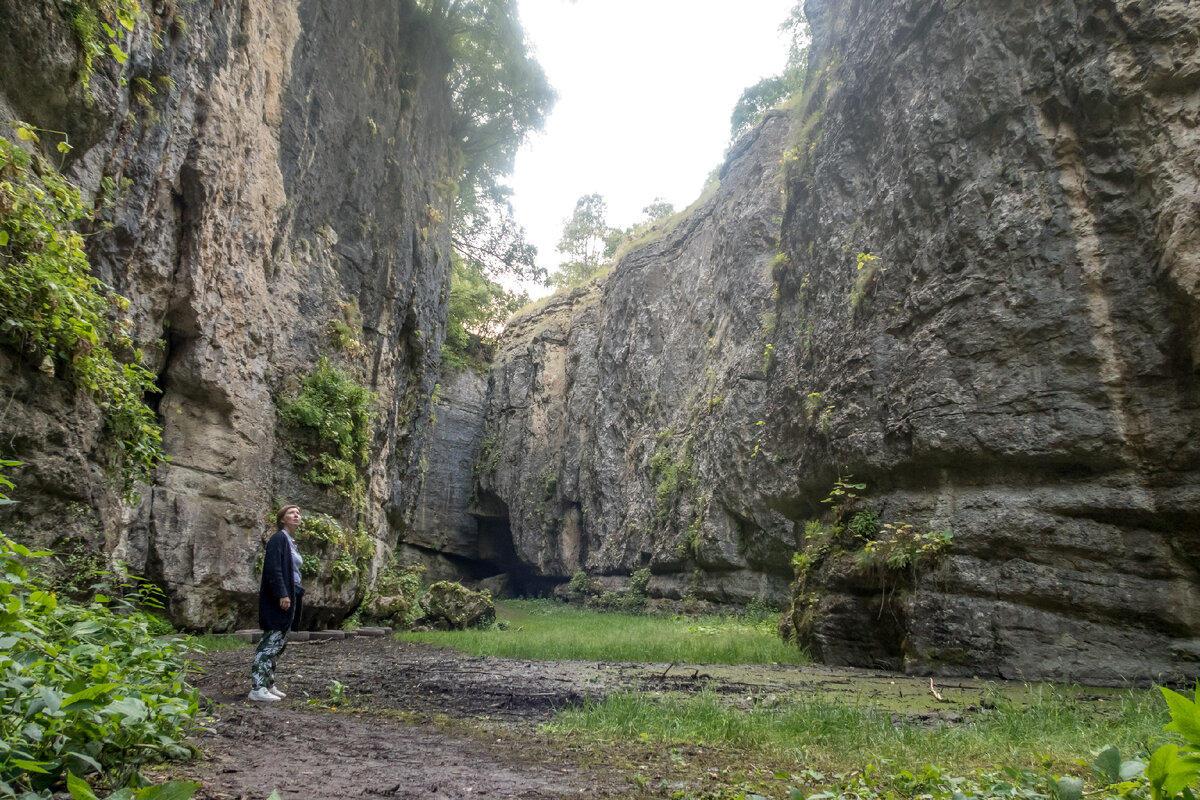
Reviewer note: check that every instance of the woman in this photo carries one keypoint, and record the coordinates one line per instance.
(280, 597)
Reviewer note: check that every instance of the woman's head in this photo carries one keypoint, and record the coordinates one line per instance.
(286, 515)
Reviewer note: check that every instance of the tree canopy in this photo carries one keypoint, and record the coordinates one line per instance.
(500, 95)
(756, 100)
(587, 242)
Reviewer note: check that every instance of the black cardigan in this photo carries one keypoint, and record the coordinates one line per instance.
(278, 581)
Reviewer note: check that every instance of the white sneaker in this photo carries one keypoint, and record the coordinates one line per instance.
(275, 691)
(262, 695)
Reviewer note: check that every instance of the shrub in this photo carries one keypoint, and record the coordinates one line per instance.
(639, 580)
(83, 688)
(338, 411)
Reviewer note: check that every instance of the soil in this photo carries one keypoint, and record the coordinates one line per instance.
(415, 721)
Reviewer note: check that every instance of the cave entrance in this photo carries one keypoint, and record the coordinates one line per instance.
(497, 549)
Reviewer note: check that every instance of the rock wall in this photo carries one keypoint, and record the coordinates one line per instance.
(1017, 365)
(288, 169)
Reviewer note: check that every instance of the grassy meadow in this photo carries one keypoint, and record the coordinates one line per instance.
(1012, 740)
(543, 629)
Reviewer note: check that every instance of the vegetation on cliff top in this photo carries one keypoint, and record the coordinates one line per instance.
(500, 96)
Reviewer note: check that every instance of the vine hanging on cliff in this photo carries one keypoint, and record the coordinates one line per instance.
(60, 316)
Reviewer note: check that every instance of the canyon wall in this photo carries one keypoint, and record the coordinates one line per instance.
(285, 171)
(963, 268)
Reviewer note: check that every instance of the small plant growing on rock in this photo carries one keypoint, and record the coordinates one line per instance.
(338, 411)
(868, 268)
(581, 587)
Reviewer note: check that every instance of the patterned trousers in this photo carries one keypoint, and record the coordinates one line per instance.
(270, 648)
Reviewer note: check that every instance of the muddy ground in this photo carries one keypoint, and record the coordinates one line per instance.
(421, 722)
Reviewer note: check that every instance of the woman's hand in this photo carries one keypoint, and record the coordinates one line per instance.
(285, 603)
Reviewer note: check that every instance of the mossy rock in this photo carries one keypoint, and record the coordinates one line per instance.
(452, 606)
(395, 610)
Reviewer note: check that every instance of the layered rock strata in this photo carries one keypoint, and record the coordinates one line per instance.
(980, 300)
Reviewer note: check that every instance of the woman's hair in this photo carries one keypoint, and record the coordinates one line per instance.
(282, 512)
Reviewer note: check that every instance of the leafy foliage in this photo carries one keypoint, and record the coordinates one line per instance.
(587, 242)
(500, 96)
(756, 100)
(1173, 769)
(672, 476)
(83, 689)
(100, 27)
(56, 312)
(338, 410)
(477, 311)
(347, 555)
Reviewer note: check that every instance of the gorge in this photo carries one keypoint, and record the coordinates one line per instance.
(961, 271)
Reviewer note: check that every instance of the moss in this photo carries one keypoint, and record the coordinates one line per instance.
(671, 475)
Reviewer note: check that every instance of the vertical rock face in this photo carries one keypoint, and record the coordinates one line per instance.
(982, 303)
(620, 412)
(441, 526)
(280, 175)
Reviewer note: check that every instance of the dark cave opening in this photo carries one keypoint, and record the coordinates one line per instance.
(496, 548)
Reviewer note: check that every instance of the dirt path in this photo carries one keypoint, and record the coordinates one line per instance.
(430, 723)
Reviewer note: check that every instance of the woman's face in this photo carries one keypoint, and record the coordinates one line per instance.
(291, 518)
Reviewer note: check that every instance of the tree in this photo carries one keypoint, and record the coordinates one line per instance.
(500, 95)
(477, 311)
(587, 242)
(657, 211)
(756, 100)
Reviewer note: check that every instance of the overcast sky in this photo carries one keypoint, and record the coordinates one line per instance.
(645, 90)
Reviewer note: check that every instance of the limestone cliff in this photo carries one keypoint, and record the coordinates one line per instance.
(978, 294)
(284, 168)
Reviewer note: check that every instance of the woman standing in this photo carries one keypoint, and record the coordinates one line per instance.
(280, 597)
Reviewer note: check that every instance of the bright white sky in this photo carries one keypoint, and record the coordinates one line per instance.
(645, 90)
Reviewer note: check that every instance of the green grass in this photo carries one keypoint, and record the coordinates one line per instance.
(209, 641)
(554, 631)
(1050, 726)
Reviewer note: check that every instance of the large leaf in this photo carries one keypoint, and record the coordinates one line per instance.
(171, 790)
(90, 693)
(1108, 765)
(1185, 716)
(1068, 788)
(131, 709)
(79, 788)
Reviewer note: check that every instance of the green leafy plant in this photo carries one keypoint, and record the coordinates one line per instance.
(672, 476)
(1174, 768)
(100, 27)
(581, 587)
(864, 525)
(868, 270)
(83, 688)
(639, 580)
(338, 410)
(345, 332)
(347, 553)
(337, 693)
(903, 546)
(53, 310)
(843, 493)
